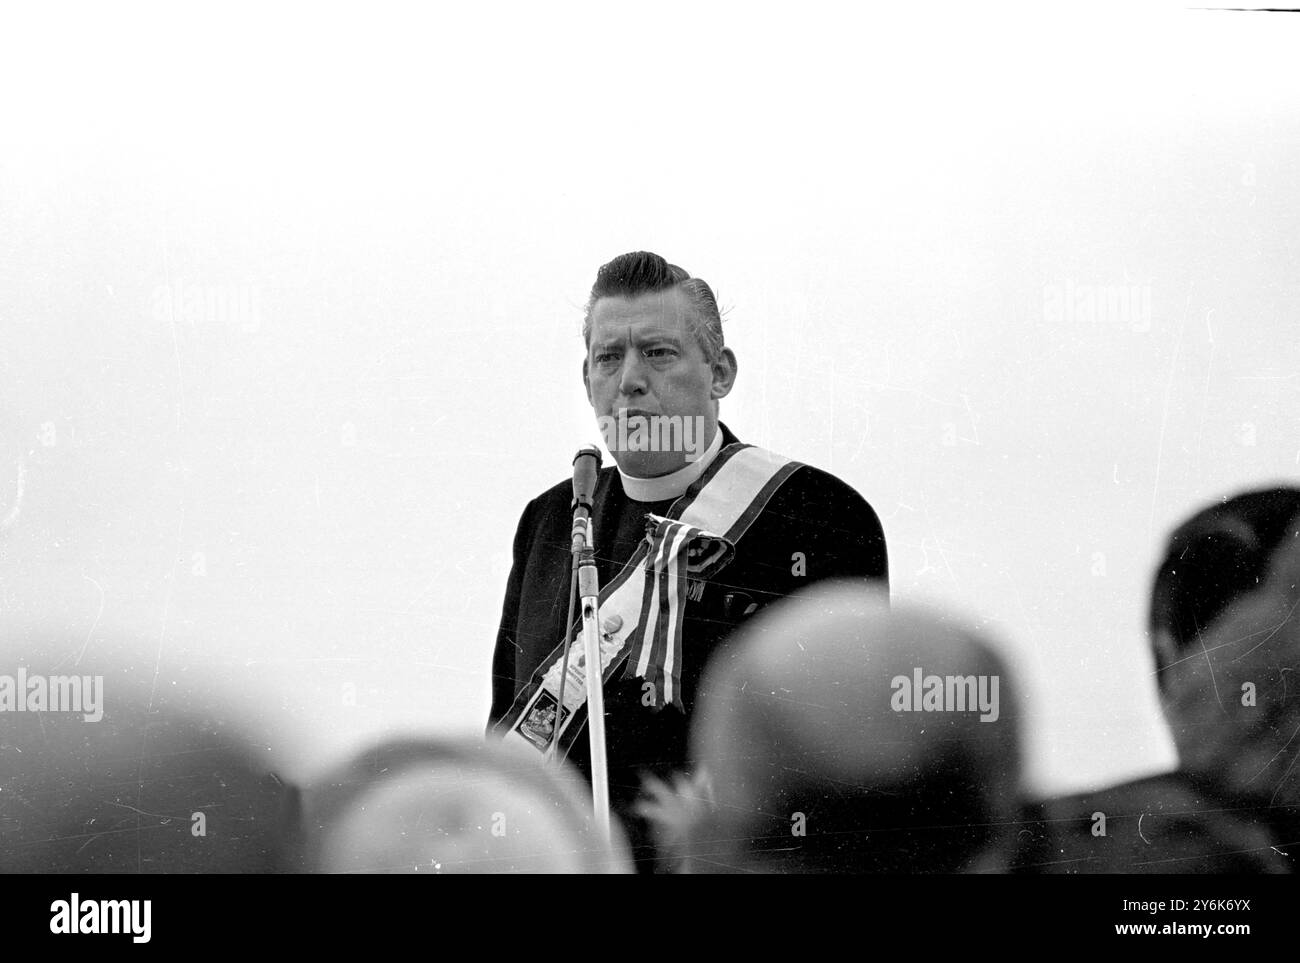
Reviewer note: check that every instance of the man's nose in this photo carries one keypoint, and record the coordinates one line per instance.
(632, 379)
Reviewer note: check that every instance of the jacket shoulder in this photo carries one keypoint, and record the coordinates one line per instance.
(559, 493)
(813, 477)
(818, 488)
(823, 517)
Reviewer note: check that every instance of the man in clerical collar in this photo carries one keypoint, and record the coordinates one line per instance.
(694, 532)
(655, 369)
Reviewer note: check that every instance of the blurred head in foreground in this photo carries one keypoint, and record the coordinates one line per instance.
(132, 788)
(1220, 554)
(1232, 696)
(436, 807)
(842, 736)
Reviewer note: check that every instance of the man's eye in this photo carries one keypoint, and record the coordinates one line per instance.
(661, 353)
(605, 357)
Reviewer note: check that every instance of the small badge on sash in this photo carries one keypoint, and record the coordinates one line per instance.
(539, 725)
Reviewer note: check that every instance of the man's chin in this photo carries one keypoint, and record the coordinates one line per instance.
(640, 464)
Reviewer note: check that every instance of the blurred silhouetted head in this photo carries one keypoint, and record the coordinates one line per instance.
(437, 807)
(138, 790)
(1219, 554)
(843, 736)
(1233, 701)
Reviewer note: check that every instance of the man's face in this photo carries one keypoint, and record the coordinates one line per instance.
(647, 379)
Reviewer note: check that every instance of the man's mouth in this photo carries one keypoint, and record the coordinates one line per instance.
(627, 414)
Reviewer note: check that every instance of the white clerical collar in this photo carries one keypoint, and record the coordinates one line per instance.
(664, 487)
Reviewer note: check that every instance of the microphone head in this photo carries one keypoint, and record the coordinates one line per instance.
(585, 465)
(589, 451)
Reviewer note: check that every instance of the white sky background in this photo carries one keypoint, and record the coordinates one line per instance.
(321, 491)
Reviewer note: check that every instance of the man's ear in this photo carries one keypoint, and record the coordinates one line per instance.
(586, 381)
(724, 374)
(1165, 652)
(1166, 649)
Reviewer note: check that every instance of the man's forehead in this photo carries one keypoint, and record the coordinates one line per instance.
(668, 312)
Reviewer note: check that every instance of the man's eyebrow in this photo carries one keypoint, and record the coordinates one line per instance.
(649, 337)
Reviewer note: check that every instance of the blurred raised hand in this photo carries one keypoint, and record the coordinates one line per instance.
(673, 809)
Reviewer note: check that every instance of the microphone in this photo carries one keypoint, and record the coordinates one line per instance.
(586, 463)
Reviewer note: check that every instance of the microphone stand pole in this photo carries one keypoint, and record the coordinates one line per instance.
(588, 594)
(588, 588)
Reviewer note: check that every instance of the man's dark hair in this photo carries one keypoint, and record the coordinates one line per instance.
(1217, 555)
(641, 272)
